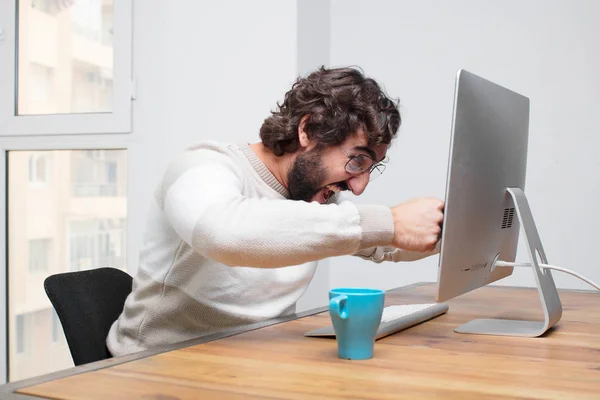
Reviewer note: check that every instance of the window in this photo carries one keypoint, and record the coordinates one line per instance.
(111, 172)
(57, 332)
(96, 243)
(72, 67)
(65, 48)
(65, 85)
(41, 88)
(77, 222)
(45, 6)
(20, 333)
(95, 173)
(39, 255)
(92, 88)
(39, 168)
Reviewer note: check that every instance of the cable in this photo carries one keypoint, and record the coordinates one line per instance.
(546, 266)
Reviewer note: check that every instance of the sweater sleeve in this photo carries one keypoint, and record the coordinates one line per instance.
(379, 254)
(389, 253)
(203, 202)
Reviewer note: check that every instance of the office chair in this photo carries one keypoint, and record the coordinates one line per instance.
(87, 303)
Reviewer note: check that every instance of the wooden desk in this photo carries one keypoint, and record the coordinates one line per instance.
(427, 361)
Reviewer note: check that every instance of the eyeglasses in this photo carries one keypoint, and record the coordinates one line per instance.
(362, 163)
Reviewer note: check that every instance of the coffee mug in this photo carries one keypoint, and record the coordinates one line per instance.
(356, 314)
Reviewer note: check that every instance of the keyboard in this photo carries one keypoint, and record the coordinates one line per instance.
(395, 319)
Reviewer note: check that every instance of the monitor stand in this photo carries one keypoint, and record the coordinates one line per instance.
(545, 284)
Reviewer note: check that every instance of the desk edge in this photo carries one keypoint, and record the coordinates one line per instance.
(8, 390)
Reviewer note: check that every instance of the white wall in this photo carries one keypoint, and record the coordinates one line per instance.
(546, 50)
(211, 71)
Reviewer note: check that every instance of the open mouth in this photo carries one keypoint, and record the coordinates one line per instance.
(326, 192)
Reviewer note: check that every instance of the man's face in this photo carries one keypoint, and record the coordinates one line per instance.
(319, 172)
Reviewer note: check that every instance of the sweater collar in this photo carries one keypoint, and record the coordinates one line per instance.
(263, 171)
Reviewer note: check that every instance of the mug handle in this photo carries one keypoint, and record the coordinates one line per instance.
(339, 306)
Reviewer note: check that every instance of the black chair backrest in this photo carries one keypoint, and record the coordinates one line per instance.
(87, 303)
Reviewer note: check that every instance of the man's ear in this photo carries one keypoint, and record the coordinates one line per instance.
(302, 135)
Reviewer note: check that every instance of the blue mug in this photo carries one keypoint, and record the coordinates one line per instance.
(356, 315)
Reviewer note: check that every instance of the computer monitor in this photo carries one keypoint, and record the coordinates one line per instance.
(485, 204)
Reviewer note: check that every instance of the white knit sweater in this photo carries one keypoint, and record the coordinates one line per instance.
(218, 214)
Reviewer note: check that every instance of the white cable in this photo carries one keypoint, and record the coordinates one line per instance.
(568, 271)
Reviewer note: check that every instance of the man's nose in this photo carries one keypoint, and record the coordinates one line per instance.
(358, 183)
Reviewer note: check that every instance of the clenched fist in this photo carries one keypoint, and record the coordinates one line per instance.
(418, 224)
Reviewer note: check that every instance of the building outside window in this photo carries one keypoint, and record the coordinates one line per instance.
(40, 255)
(76, 221)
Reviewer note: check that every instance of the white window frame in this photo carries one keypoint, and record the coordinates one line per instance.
(33, 143)
(117, 121)
(85, 131)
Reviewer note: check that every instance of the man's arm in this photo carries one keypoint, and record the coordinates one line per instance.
(202, 199)
(387, 253)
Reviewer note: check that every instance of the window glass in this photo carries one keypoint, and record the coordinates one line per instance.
(74, 221)
(65, 56)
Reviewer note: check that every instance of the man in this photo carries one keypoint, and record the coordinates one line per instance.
(235, 231)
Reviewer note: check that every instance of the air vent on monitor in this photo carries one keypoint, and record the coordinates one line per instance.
(509, 214)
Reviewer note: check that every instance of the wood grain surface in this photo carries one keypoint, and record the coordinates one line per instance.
(428, 361)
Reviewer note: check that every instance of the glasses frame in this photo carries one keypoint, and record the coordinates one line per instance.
(374, 165)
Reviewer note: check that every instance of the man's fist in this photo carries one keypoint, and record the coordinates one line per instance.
(418, 224)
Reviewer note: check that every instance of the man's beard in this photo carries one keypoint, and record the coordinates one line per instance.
(306, 176)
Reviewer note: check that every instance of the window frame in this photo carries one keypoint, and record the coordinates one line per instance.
(84, 131)
(41, 142)
(117, 121)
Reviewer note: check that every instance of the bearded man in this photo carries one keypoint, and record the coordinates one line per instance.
(235, 231)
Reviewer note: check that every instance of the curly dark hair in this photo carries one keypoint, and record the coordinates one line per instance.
(338, 103)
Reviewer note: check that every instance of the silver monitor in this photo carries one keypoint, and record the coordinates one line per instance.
(486, 205)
